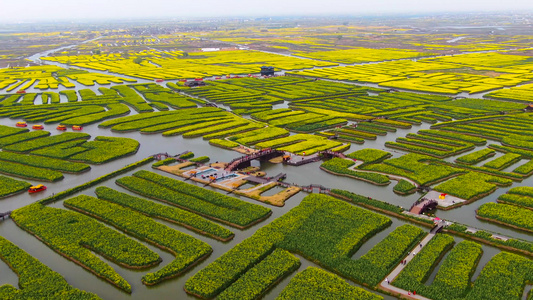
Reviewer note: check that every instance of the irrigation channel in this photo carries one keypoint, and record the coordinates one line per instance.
(301, 175)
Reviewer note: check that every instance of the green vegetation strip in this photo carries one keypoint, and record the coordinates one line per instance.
(71, 191)
(44, 162)
(262, 276)
(503, 277)
(211, 204)
(475, 157)
(472, 185)
(504, 161)
(104, 149)
(171, 214)
(310, 231)
(75, 236)
(21, 137)
(341, 166)
(35, 144)
(187, 249)
(28, 172)
(509, 215)
(404, 187)
(10, 186)
(36, 280)
(315, 283)
(369, 156)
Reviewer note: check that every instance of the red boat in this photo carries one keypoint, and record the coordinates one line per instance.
(37, 188)
(61, 127)
(159, 80)
(39, 127)
(77, 127)
(21, 92)
(21, 124)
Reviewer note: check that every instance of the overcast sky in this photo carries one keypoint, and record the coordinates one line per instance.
(37, 10)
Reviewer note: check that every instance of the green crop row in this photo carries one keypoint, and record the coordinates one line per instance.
(513, 176)
(233, 131)
(6, 131)
(164, 162)
(10, 186)
(437, 141)
(187, 155)
(21, 137)
(506, 149)
(453, 278)
(341, 167)
(34, 144)
(223, 143)
(503, 277)
(357, 133)
(36, 280)
(504, 161)
(187, 249)
(259, 135)
(419, 149)
(525, 169)
(472, 185)
(104, 149)
(44, 162)
(456, 136)
(308, 230)
(211, 204)
(29, 172)
(61, 151)
(476, 156)
(413, 166)
(75, 236)
(68, 192)
(315, 283)
(419, 268)
(404, 187)
(369, 156)
(171, 214)
(114, 110)
(256, 281)
(517, 199)
(201, 159)
(509, 215)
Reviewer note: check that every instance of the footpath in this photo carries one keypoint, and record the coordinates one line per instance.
(386, 283)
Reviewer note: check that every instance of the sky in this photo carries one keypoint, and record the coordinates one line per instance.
(57, 10)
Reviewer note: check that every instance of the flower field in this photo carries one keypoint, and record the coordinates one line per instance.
(206, 203)
(72, 235)
(309, 231)
(508, 215)
(315, 283)
(9, 186)
(171, 214)
(35, 278)
(184, 247)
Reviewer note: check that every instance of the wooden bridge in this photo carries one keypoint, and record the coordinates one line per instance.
(245, 161)
(5, 215)
(329, 153)
(423, 205)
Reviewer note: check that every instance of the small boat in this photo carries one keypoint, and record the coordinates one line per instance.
(21, 124)
(77, 127)
(159, 80)
(36, 188)
(39, 127)
(61, 127)
(21, 92)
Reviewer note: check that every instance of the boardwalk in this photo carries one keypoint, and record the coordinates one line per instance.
(5, 215)
(397, 291)
(263, 180)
